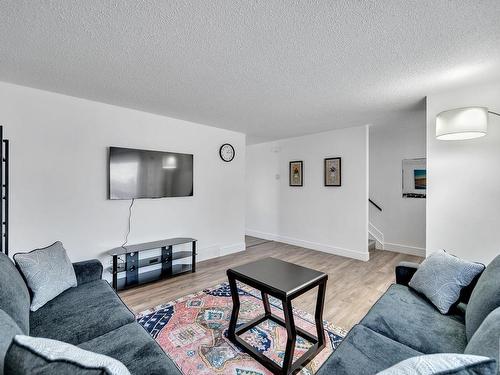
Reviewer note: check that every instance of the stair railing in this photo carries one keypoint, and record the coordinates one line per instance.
(375, 204)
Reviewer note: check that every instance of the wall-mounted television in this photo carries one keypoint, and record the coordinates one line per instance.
(149, 174)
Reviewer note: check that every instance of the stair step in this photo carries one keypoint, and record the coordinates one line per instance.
(371, 244)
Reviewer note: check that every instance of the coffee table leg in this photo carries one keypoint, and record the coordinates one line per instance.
(265, 301)
(318, 315)
(291, 335)
(236, 308)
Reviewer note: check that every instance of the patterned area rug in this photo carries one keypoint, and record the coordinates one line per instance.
(193, 331)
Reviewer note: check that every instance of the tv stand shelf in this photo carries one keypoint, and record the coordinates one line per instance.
(132, 262)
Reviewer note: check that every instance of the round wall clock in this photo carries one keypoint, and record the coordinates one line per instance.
(226, 152)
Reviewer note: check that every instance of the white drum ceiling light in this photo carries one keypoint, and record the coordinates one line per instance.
(462, 123)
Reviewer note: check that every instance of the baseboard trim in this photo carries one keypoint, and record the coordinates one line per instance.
(215, 251)
(410, 250)
(208, 252)
(234, 248)
(263, 235)
(310, 245)
(364, 256)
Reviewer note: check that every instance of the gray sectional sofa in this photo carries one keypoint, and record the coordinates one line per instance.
(404, 324)
(90, 316)
(401, 324)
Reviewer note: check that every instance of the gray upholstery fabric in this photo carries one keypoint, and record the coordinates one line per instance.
(486, 339)
(19, 361)
(466, 292)
(405, 316)
(485, 297)
(403, 323)
(14, 295)
(80, 314)
(405, 271)
(135, 348)
(91, 311)
(460, 309)
(58, 352)
(444, 363)
(88, 271)
(441, 277)
(364, 352)
(8, 329)
(48, 273)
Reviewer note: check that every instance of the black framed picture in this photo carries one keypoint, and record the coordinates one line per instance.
(296, 173)
(333, 172)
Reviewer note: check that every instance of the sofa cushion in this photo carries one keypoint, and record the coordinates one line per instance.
(444, 363)
(135, 348)
(442, 276)
(8, 329)
(365, 352)
(484, 298)
(14, 295)
(88, 271)
(486, 339)
(48, 273)
(80, 314)
(35, 355)
(405, 316)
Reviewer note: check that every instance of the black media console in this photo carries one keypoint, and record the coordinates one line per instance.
(127, 262)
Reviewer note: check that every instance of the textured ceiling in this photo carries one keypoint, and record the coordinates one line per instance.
(271, 69)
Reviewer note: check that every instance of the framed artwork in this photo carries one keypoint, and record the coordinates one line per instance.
(414, 178)
(296, 173)
(333, 171)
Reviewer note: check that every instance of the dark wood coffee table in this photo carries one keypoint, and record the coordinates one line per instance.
(284, 281)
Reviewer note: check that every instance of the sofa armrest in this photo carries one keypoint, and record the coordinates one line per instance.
(87, 271)
(405, 271)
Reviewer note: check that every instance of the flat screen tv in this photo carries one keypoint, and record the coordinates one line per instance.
(149, 174)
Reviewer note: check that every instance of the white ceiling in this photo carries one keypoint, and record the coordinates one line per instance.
(269, 68)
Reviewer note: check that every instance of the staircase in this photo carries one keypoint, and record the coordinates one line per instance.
(371, 244)
(375, 236)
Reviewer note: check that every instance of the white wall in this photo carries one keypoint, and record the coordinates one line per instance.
(263, 189)
(402, 220)
(463, 204)
(58, 177)
(330, 219)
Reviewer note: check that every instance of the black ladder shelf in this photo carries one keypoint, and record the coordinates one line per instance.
(4, 193)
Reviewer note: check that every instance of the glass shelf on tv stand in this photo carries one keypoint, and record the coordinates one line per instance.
(139, 270)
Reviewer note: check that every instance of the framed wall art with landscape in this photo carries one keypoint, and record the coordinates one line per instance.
(296, 173)
(333, 172)
(414, 178)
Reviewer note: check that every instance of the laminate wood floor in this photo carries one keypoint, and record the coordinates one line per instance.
(353, 285)
(253, 241)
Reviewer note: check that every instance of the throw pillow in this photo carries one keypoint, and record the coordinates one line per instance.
(443, 363)
(45, 356)
(441, 277)
(48, 273)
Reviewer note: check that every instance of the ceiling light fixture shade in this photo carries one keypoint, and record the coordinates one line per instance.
(462, 123)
